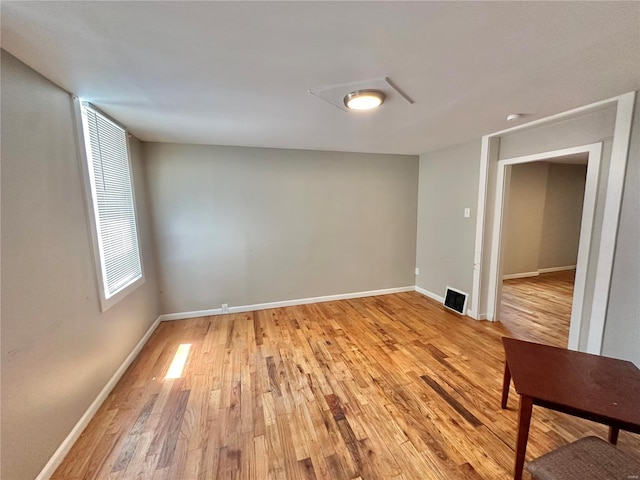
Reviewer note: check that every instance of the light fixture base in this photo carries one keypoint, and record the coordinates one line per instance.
(363, 100)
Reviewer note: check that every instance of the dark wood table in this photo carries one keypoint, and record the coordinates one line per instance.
(602, 389)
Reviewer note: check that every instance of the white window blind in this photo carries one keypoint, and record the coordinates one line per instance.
(110, 177)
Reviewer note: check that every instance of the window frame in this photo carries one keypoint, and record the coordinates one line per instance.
(91, 208)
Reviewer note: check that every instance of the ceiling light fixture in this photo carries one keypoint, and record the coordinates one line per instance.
(364, 99)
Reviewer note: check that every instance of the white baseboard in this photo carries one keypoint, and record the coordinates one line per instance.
(285, 303)
(58, 456)
(195, 313)
(556, 269)
(429, 294)
(475, 316)
(511, 276)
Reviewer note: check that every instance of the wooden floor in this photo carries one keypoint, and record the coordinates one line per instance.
(539, 308)
(389, 387)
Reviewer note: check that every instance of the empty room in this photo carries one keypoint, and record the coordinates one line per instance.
(320, 240)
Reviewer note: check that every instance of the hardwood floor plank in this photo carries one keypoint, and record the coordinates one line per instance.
(126, 452)
(464, 413)
(173, 429)
(306, 467)
(274, 383)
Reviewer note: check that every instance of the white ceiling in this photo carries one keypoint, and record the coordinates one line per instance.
(238, 73)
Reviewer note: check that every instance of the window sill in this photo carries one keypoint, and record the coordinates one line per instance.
(107, 303)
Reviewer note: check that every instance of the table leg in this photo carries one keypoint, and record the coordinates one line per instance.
(506, 382)
(613, 435)
(524, 420)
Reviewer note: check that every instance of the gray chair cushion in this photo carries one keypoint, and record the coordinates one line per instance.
(589, 458)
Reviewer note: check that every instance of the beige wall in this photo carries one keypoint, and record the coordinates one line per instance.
(523, 218)
(243, 226)
(543, 216)
(562, 215)
(58, 349)
(445, 243)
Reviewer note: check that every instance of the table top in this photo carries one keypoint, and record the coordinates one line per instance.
(606, 387)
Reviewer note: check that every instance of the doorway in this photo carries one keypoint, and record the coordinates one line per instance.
(541, 231)
(586, 331)
(594, 154)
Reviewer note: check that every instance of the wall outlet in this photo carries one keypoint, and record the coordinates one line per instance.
(467, 212)
(225, 308)
(417, 271)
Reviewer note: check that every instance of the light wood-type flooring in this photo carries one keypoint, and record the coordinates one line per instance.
(388, 387)
(539, 308)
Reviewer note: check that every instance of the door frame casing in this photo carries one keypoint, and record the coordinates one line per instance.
(594, 152)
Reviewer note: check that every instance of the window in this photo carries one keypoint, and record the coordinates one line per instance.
(108, 175)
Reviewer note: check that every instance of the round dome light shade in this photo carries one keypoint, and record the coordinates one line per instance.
(364, 99)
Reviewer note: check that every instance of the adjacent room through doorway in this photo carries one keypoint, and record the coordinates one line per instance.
(541, 235)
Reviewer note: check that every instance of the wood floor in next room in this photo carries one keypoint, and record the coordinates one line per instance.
(539, 308)
(389, 387)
